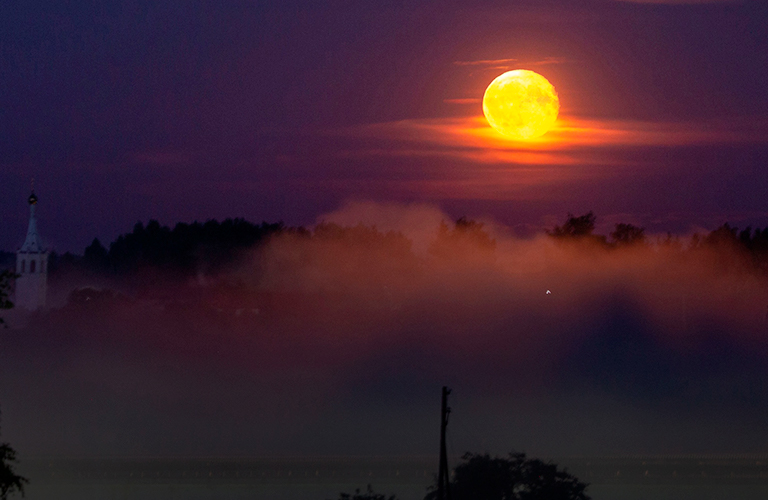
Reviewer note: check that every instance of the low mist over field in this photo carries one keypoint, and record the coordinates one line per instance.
(336, 340)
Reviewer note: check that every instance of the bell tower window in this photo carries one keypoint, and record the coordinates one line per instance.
(32, 266)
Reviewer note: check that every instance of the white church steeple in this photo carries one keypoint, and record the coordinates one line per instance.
(31, 266)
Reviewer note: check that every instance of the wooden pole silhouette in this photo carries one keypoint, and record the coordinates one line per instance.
(443, 476)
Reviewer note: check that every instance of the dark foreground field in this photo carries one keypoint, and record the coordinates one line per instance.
(629, 478)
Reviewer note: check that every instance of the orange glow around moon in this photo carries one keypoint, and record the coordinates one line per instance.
(521, 104)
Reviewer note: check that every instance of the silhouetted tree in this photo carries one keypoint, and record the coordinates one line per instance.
(467, 235)
(757, 245)
(627, 234)
(59, 263)
(734, 249)
(96, 256)
(723, 236)
(9, 480)
(5, 290)
(482, 477)
(7, 260)
(578, 229)
(575, 227)
(368, 495)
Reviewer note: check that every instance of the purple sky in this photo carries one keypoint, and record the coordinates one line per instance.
(286, 110)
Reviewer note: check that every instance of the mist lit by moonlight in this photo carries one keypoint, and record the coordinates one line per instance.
(521, 104)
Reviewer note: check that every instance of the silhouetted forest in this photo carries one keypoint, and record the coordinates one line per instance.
(746, 248)
(188, 249)
(183, 250)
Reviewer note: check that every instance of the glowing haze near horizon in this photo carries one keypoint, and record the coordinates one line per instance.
(647, 350)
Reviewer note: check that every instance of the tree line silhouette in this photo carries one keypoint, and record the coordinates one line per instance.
(514, 477)
(186, 249)
(181, 250)
(747, 249)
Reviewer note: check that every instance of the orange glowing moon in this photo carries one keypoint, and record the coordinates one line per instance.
(521, 104)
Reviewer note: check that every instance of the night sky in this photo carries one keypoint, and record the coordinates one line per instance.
(182, 111)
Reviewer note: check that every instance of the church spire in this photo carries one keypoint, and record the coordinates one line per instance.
(31, 265)
(32, 244)
(32, 198)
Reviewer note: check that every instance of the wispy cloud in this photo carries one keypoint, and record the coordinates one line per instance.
(473, 135)
(550, 61)
(463, 158)
(485, 62)
(513, 62)
(470, 100)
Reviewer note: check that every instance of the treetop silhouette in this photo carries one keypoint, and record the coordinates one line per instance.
(467, 236)
(211, 246)
(515, 477)
(575, 227)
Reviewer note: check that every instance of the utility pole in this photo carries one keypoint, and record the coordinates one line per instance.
(443, 477)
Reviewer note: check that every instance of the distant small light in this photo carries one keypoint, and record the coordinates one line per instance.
(549, 293)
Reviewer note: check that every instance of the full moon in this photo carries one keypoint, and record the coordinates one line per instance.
(521, 104)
